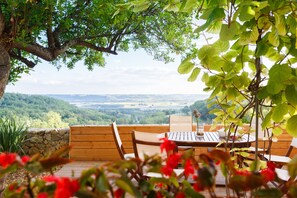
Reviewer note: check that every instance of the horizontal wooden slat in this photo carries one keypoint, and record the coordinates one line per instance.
(99, 138)
(92, 145)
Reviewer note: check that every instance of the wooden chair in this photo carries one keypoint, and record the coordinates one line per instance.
(119, 144)
(282, 160)
(122, 152)
(181, 123)
(149, 144)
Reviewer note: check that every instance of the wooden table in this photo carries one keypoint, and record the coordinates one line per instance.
(209, 139)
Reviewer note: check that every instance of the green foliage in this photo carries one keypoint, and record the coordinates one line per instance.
(12, 135)
(62, 33)
(46, 112)
(249, 63)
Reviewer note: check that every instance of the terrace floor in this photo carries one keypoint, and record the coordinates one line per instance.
(74, 169)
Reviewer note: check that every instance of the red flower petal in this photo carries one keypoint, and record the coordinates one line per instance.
(118, 193)
(189, 169)
(167, 145)
(42, 195)
(180, 195)
(167, 170)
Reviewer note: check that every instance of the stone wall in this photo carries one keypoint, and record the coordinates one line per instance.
(45, 141)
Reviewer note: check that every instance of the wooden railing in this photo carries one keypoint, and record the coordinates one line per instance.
(96, 143)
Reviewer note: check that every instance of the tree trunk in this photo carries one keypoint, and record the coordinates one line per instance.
(4, 69)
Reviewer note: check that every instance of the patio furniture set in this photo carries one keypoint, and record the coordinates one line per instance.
(181, 132)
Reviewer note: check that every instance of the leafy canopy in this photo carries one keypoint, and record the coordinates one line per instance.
(249, 61)
(67, 31)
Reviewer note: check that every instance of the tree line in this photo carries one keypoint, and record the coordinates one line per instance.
(40, 111)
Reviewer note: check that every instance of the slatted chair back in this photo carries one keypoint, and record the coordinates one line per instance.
(180, 123)
(146, 143)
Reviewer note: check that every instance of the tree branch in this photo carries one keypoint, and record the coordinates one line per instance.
(29, 63)
(94, 47)
(51, 54)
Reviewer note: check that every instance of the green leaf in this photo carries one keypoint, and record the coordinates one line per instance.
(246, 13)
(228, 32)
(292, 167)
(205, 77)
(292, 126)
(203, 52)
(270, 192)
(173, 6)
(263, 93)
(188, 5)
(194, 74)
(273, 37)
(277, 131)
(277, 75)
(264, 23)
(232, 93)
(280, 24)
(123, 185)
(262, 48)
(291, 23)
(214, 15)
(279, 112)
(185, 67)
(221, 45)
(190, 192)
(216, 91)
(277, 98)
(140, 5)
(267, 120)
(249, 36)
(102, 183)
(291, 94)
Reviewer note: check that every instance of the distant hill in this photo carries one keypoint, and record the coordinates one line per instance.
(131, 101)
(36, 106)
(46, 111)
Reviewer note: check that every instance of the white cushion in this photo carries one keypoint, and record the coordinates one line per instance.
(282, 174)
(277, 158)
(129, 156)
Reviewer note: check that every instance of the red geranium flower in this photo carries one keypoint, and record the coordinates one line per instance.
(189, 169)
(159, 195)
(166, 170)
(198, 187)
(243, 172)
(25, 159)
(65, 187)
(7, 159)
(42, 195)
(180, 195)
(271, 165)
(268, 174)
(167, 145)
(118, 193)
(173, 159)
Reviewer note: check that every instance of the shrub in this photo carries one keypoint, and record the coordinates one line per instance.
(12, 135)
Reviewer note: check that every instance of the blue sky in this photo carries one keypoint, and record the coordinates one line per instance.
(127, 73)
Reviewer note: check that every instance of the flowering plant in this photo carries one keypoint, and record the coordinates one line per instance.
(116, 179)
(197, 115)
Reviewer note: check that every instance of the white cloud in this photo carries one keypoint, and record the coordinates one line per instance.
(134, 72)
